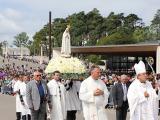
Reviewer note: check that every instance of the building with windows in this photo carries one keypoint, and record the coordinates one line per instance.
(19, 51)
(121, 58)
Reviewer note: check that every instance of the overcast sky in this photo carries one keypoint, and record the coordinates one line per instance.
(30, 15)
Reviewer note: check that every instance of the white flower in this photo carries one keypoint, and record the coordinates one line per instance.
(66, 65)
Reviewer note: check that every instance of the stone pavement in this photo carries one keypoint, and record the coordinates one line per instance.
(8, 109)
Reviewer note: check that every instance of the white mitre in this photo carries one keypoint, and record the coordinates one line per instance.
(140, 67)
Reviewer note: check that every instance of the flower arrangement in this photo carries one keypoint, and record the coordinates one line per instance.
(71, 68)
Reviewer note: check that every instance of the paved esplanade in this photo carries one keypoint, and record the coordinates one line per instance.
(8, 109)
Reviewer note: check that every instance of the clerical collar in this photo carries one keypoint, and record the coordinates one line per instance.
(56, 80)
(94, 79)
(142, 82)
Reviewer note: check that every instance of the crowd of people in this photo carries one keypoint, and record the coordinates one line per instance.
(31, 59)
(39, 97)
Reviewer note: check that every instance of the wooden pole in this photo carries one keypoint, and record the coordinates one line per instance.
(50, 42)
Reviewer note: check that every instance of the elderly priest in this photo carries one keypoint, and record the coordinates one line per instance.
(142, 98)
(94, 96)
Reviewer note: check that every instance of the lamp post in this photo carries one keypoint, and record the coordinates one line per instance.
(6, 50)
(21, 51)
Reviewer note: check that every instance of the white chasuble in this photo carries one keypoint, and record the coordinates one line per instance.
(93, 106)
(142, 108)
(57, 93)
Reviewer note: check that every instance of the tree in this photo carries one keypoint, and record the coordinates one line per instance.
(92, 28)
(113, 21)
(78, 28)
(94, 58)
(119, 37)
(156, 19)
(141, 34)
(155, 26)
(132, 21)
(21, 39)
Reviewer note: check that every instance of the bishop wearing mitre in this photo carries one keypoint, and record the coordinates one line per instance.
(142, 98)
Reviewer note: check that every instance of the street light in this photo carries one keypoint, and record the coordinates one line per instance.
(21, 51)
(5, 47)
(42, 45)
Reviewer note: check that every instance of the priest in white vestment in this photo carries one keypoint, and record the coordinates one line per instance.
(142, 98)
(94, 96)
(57, 98)
(26, 113)
(16, 91)
(21, 103)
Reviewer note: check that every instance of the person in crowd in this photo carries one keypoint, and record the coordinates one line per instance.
(1, 83)
(142, 98)
(119, 95)
(13, 81)
(107, 82)
(114, 79)
(26, 114)
(57, 97)
(37, 97)
(94, 96)
(129, 77)
(103, 78)
(16, 91)
(73, 103)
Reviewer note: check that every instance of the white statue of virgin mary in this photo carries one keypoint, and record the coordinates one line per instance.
(66, 43)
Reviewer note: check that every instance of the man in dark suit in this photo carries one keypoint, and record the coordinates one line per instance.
(37, 96)
(119, 94)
